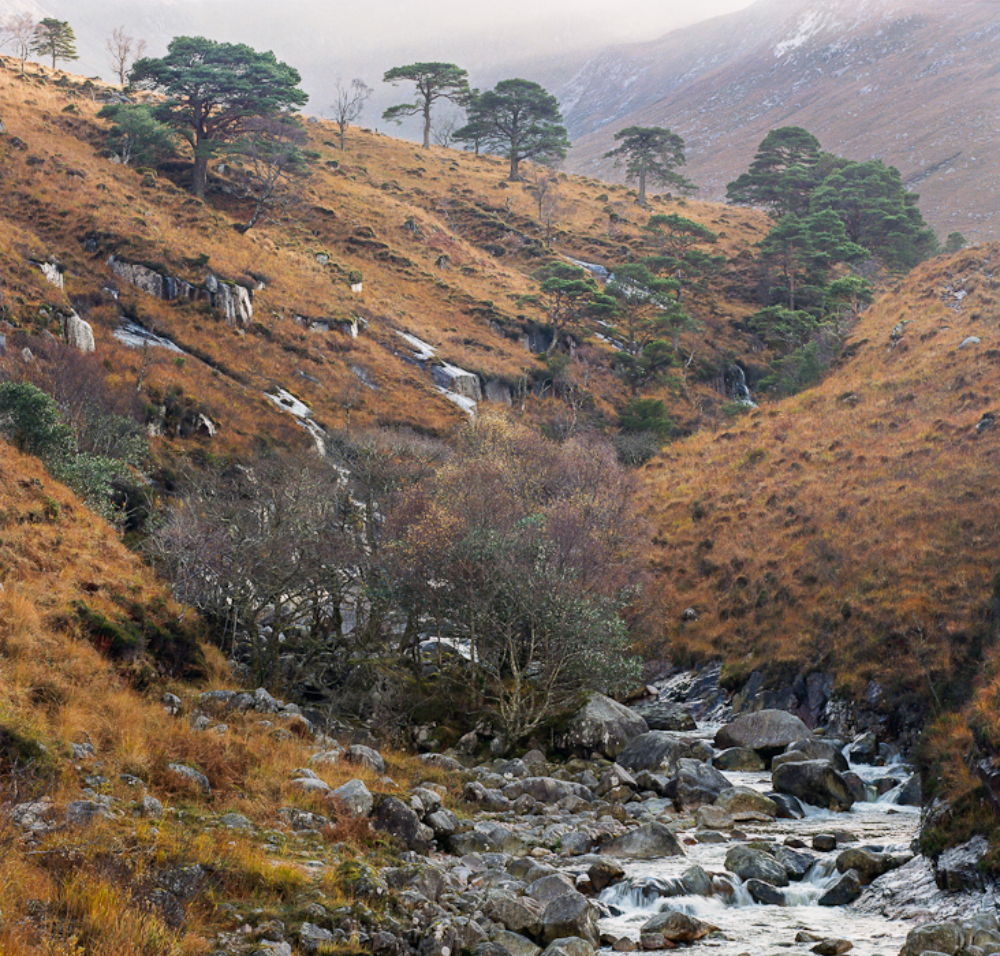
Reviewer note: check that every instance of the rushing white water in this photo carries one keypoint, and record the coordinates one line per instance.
(749, 927)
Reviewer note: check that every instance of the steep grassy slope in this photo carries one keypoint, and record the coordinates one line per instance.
(852, 527)
(444, 246)
(89, 641)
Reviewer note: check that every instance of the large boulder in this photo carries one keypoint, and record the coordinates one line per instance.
(674, 927)
(866, 863)
(355, 797)
(662, 714)
(397, 819)
(766, 731)
(846, 890)
(603, 725)
(738, 758)
(958, 867)
(946, 938)
(521, 915)
(743, 803)
(647, 842)
(815, 748)
(695, 783)
(79, 333)
(657, 751)
(815, 782)
(750, 864)
(570, 915)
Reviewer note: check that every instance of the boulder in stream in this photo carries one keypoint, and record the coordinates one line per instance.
(815, 782)
(750, 864)
(766, 731)
(674, 928)
(644, 843)
(695, 783)
(570, 915)
(946, 938)
(846, 890)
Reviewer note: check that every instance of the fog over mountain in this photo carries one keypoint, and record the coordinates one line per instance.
(546, 41)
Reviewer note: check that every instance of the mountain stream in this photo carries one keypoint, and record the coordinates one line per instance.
(746, 926)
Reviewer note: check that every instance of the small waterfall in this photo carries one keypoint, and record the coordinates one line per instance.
(738, 387)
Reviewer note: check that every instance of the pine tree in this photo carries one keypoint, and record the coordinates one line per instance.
(54, 38)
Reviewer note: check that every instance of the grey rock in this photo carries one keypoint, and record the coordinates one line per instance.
(79, 333)
(695, 783)
(355, 797)
(958, 868)
(421, 878)
(788, 807)
(442, 762)
(264, 703)
(602, 725)
(824, 842)
(398, 820)
(172, 704)
(868, 865)
(846, 890)
(832, 947)
(742, 803)
(738, 758)
(766, 731)
(442, 822)
(864, 748)
(765, 893)
(604, 873)
(676, 927)
(570, 915)
(515, 943)
(81, 813)
(236, 821)
(796, 863)
(569, 946)
(191, 776)
(547, 789)
(550, 887)
(150, 807)
(662, 714)
(366, 757)
(657, 751)
(815, 782)
(518, 915)
(910, 795)
(946, 938)
(815, 748)
(312, 937)
(575, 843)
(748, 863)
(647, 842)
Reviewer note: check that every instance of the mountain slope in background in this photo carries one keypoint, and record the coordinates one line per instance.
(912, 82)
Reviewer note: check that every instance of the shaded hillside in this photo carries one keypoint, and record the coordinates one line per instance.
(443, 246)
(851, 528)
(911, 82)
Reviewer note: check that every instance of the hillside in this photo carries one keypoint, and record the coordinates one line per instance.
(850, 528)
(905, 81)
(444, 246)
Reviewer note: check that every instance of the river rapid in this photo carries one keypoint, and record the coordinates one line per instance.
(746, 926)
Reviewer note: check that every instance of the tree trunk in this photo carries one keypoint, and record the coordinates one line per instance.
(642, 185)
(427, 124)
(200, 175)
(514, 176)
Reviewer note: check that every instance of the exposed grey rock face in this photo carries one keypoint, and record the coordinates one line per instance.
(766, 731)
(79, 333)
(867, 864)
(644, 843)
(521, 915)
(604, 873)
(312, 938)
(603, 726)
(742, 803)
(233, 301)
(815, 782)
(738, 758)
(958, 868)
(946, 938)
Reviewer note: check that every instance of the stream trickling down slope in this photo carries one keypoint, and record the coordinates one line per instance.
(750, 927)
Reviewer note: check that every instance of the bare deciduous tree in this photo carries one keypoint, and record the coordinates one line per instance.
(18, 32)
(123, 51)
(349, 103)
(269, 156)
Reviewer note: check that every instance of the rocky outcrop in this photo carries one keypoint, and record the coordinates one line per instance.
(657, 751)
(79, 333)
(234, 301)
(662, 714)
